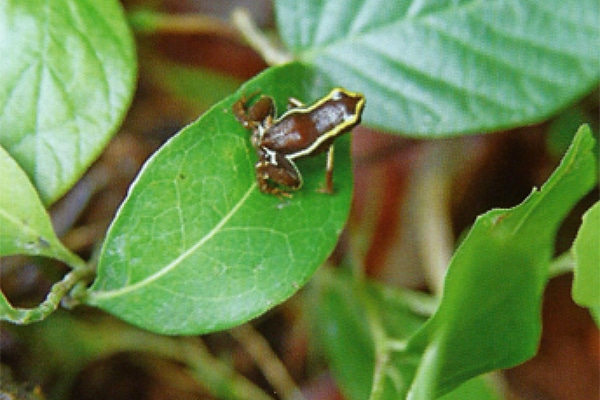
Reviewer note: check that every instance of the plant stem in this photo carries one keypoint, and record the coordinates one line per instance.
(266, 359)
(150, 22)
(257, 40)
(561, 265)
(220, 379)
(431, 197)
(50, 304)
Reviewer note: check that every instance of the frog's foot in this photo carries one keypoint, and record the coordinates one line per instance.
(251, 117)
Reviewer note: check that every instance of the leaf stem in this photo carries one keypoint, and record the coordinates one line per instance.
(430, 200)
(561, 265)
(151, 22)
(266, 359)
(59, 290)
(220, 379)
(257, 40)
(381, 342)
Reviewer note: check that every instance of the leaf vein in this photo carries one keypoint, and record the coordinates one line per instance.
(169, 267)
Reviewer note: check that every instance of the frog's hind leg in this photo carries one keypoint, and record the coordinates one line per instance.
(277, 175)
(328, 188)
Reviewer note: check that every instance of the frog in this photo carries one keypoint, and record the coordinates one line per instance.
(301, 131)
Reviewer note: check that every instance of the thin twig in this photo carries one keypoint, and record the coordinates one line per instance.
(267, 361)
(272, 54)
(218, 377)
(186, 24)
(50, 304)
(431, 188)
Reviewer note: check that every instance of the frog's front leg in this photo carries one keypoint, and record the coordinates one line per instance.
(260, 113)
(274, 171)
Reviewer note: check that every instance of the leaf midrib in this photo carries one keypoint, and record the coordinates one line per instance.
(102, 295)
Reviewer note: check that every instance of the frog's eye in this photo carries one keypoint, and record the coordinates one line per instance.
(337, 95)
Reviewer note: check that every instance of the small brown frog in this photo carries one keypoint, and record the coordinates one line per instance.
(301, 131)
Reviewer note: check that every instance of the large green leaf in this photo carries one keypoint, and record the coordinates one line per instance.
(489, 316)
(196, 247)
(442, 67)
(66, 79)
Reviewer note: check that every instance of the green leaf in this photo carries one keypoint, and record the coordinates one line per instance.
(563, 126)
(66, 80)
(489, 316)
(478, 388)
(586, 249)
(361, 325)
(196, 247)
(26, 227)
(445, 67)
(363, 328)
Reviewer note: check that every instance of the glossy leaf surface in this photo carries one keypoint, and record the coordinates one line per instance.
(196, 247)
(443, 67)
(26, 227)
(66, 80)
(489, 316)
